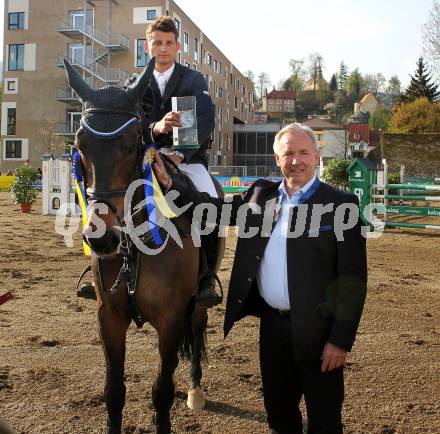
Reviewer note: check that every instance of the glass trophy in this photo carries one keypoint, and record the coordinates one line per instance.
(186, 136)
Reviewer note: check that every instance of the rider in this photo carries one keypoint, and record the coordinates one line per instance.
(172, 79)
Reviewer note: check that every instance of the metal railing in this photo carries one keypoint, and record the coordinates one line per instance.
(107, 75)
(66, 128)
(110, 40)
(66, 94)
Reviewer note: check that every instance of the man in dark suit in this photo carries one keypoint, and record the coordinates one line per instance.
(308, 285)
(174, 80)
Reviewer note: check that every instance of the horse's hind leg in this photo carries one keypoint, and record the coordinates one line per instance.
(196, 398)
(163, 388)
(112, 329)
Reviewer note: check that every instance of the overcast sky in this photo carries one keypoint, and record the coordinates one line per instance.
(374, 35)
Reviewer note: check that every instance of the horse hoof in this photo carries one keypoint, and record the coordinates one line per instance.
(196, 399)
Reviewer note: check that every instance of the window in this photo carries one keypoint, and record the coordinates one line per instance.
(196, 49)
(236, 103)
(244, 90)
(16, 21)
(142, 56)
(238, 84)
(215, 65)
(186, 42)
(16, 57)
(12, 121)
(219, 67)
(220, 92)
(151, 14)
(177, 23)
(209, 59)
(13, 149)
(11, 85)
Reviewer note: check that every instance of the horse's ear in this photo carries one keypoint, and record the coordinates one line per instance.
(76, 82)
(137, 89)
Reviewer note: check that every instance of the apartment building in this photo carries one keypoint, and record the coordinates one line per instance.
(104, 41)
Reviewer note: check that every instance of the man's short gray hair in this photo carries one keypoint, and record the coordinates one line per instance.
(295, 128)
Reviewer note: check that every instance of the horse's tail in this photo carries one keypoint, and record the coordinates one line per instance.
(187, 343)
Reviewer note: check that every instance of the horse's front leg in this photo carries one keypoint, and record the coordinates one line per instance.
(113, 327)
(199, 321)
(169, 333)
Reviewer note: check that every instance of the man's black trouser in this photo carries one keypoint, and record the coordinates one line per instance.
(286, 380)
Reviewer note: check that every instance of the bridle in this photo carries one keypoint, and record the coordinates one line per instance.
(105, 196)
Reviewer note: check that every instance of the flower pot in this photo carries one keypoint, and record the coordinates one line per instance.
(25, 207)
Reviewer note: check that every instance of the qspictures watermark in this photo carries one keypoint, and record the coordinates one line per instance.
(207, 216)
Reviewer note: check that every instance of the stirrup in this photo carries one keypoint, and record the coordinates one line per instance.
(87, 290)
(215, 299)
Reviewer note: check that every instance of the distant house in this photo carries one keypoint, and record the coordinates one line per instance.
(331, 137)
(321, 84)
(279, 104)
(359, 135)
(367, 104)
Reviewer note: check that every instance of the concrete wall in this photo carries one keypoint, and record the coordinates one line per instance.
(420, 153)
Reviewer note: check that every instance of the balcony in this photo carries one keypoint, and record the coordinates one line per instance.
(113, 41)
(106, 75)
(66, 129)
(67, 95)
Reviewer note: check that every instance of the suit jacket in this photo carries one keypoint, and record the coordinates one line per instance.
(183, 82)
(327, 278)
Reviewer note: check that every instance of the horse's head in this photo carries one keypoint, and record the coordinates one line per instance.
(110, 144)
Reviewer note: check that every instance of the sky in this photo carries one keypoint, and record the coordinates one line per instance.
(374, 35)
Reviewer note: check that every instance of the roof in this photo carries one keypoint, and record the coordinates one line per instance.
(364, 98)
(281, 94)
(320, 124)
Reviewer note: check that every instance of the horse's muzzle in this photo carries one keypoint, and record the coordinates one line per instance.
(105, 245)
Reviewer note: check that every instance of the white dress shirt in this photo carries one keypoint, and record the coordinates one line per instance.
(162, 78)
(272, 275)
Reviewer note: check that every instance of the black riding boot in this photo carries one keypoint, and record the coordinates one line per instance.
(213, 248)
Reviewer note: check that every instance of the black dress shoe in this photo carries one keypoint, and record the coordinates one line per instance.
(207, 295)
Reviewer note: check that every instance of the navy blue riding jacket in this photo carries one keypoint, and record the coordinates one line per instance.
(183, 82)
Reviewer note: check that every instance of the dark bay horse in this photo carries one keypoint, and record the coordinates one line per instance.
(130, 284)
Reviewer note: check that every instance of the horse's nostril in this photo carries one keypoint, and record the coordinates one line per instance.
(107, 244)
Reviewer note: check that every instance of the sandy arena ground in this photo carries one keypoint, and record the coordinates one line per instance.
(52, 367)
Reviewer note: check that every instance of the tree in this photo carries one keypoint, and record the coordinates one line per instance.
(394, 86)
(333, 86)
(250, 76)
(297, 79)
(335, 173)
(342, 76)
(431, 34)
(48, 130)
(421, 85)
(374, 82)
(380, 119)
(355, 84)
(316, 65)
(419, 116)
(263, 82)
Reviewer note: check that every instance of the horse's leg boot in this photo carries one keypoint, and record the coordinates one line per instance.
(214, 247)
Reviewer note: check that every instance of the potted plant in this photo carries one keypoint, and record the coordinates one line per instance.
(23, 190)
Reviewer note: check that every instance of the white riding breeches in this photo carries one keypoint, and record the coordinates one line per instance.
(200, 177)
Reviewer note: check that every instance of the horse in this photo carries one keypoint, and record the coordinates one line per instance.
(131, 285)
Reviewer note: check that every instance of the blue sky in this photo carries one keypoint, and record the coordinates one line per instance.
(374, 35)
